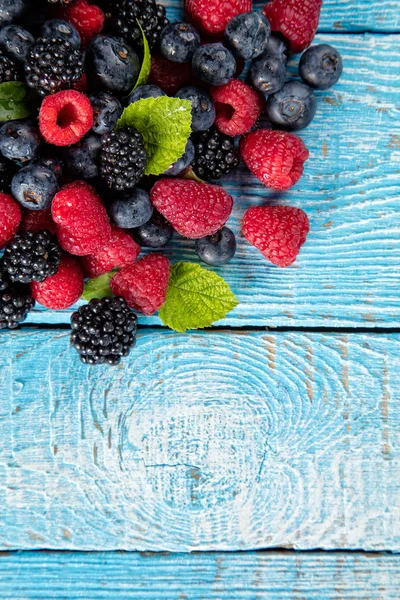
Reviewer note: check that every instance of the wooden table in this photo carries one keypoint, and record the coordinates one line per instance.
(278, 430)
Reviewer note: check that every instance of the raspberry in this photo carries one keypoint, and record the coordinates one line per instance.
(297, 20)
(212, 16)
(144, 284)
(238, 107)
(63, 289)
(87, 18)
(168, 75)
(82, 220)
(36, 220)
(277, 158)
(65, 117)
(121, 251)
(32, 256)
(103, 331)
(193, 209)
(10, 218)
(277, 231)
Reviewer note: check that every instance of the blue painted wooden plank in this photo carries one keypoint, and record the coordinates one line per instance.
(247, 576)
(348, 273)
(209, 441)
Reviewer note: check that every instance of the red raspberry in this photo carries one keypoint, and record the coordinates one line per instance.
(83, 223)
(193, 209)
(10, 218)
(63, 289)
(277, 158)
(37, 220)
(121, 251)
(87, 18)
(277, 231)
(144, 284)
(212, 16)
(297, 20)
(168, 75)
(238, 107)
(65, 117)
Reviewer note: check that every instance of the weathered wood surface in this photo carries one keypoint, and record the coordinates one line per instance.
(264, 575)
(208, 441)
(348, 273)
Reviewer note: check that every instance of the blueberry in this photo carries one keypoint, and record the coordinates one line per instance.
(82, 160)
(179, 41)
(182, 163)
(321, 66)
(214, 64)
(10, 10)
(145, 91)
(34, 187)
(106, 112)
(203, 109)
(247, 35)
(50, 162)
(217, 249)
(157, 233)
(268, 73)
(277, 45)
(132, 210)
(293, 107)
(19, 141)
(16, 41)
(111, 64)
(61, 29)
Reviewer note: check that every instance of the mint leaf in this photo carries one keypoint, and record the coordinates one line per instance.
(98, 288)
(196, 298)
(146, 64)
(165, 124)
(14, 101)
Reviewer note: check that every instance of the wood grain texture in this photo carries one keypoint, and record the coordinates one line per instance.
(348, 273)
(209, 441)
(266, 575)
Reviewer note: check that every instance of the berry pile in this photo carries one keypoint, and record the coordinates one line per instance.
(78, 199)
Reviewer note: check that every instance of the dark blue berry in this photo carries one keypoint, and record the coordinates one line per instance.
(179, 41)
(277, 45)
(106, 112)
(145, 91)
(293, 107)
(218, 249)
(131, 210)
(16, 41)
(268, 73)
(50, 162)
(214, 64)
(82, 160)
(157, 233)
(19, 141)
(10, 10)
(247, 35)
(182, 163)
(61, 29)
(203, 109)
(34, 187)
(321, 66)
(111, 64)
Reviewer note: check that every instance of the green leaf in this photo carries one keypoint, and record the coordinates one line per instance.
(98, 288)
(196, 298)
(146, 64)
(165, 124)
(14, 101)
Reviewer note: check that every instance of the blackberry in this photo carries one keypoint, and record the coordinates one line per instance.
(32, 256)
(7, 172)
(9, 70)
(53, 64)
(103, 331)
(15, 302)
(215, 154)
(122, 159)
(150, 15)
